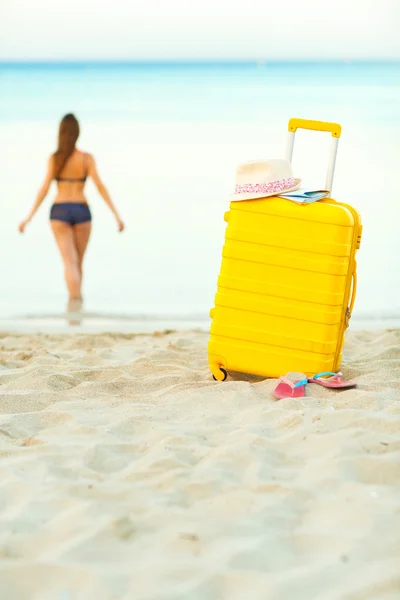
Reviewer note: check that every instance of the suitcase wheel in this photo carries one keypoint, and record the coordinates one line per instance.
(224, 375)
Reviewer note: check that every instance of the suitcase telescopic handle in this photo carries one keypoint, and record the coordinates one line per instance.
(334, 128)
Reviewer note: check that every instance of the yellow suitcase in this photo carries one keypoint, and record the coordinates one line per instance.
(287, 282)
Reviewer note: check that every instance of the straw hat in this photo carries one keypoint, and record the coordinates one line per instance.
(263, 178)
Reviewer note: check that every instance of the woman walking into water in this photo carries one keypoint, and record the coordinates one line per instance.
(70, 216)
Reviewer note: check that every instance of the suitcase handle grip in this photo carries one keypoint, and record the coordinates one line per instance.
(353, 289)
(334, 128)
(349, 309)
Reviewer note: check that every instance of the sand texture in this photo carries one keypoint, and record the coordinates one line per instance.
(127, 473)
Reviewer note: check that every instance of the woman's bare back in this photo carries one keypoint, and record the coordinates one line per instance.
(72, 179)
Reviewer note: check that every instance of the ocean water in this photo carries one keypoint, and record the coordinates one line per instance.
(167, 139)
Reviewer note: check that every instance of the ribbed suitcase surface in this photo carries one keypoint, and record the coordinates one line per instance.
(286, 279)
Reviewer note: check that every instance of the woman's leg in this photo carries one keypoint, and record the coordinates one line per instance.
(65, 239)
(81, 235)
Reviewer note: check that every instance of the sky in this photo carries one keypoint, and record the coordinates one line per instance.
(199, 29)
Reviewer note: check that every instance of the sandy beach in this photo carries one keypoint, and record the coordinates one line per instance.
(127, 473)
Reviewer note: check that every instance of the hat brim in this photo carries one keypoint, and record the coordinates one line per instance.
(241, 197)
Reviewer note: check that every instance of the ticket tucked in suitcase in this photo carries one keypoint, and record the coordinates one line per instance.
(287, 282)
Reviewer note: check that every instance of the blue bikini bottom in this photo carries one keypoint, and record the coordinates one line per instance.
(70, 212)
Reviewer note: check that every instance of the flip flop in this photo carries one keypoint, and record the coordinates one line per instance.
(290, 389)
(334, 381)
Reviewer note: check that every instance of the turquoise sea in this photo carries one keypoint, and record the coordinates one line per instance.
(167, 138)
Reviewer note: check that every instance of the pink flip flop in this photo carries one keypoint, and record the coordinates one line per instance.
(290, 389)
(334, 381)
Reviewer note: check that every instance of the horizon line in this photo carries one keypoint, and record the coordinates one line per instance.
(40, 62)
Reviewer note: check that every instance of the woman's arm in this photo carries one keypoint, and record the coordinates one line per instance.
(41, 195)
(92, 171)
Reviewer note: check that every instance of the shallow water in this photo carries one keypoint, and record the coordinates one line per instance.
(167, 139)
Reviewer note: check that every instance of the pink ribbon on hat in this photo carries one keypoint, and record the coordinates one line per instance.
(279, 185)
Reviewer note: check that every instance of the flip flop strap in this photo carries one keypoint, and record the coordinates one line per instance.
(291, 384)
(335, 376)
(301, 383)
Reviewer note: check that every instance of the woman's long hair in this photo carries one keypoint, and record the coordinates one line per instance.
(67, 136)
